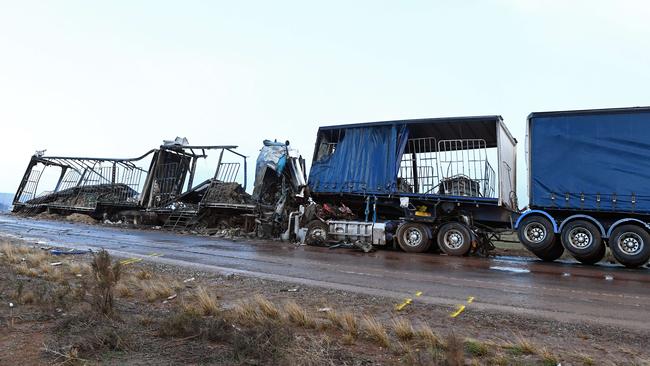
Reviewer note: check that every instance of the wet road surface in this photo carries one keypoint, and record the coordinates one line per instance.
(605, 294)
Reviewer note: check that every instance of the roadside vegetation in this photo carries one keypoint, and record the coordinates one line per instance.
(92, 309)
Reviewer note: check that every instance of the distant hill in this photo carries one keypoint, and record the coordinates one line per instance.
(5, 201)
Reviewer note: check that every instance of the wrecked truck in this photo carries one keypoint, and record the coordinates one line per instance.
(156, 188)
(427, 184)
(160, 188)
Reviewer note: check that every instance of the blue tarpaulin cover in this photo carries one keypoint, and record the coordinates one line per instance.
(366, 161)
(599, 159)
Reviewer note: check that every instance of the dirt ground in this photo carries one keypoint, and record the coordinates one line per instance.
(171, 315)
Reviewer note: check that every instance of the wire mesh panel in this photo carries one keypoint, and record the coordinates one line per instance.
(29, 190)
(418, 171)
(166, 182)
(227, 172)
(464, 168)
(70, 179)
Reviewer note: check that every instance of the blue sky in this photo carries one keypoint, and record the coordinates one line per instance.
(115, 78)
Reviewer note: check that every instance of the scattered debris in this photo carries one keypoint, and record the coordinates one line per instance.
(189, 280)
(69, 251)
(56, 264)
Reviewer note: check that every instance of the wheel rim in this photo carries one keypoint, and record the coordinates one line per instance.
(318, 234)
(413, 237)
(580, 238)
(535, 232)
(454, 239)
(630, 243)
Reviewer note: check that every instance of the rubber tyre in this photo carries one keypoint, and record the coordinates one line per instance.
(413, 237)
(551, 254)
(540, 226)
(317, 233)
(573, 231)
(454, 239)
(617, 244)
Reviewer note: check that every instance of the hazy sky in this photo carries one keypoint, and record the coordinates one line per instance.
(114, 78)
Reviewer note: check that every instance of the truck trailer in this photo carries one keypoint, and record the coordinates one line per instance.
(425, 184)
(588, 185)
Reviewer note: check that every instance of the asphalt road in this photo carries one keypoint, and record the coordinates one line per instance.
(604, 295)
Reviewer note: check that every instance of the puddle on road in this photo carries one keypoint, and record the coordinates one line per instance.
(510, 269)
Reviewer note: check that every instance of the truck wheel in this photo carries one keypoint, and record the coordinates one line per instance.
(583, 240)
(413, 237)
(536, 234)
(550, 254)
(317, 233)
(630, 245)
(454, 239)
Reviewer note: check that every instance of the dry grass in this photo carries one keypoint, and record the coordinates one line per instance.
(123, 290)
(548, 359)
(376, 331)
(143, 275)
(476, 348)
(27, 297)
(156, 289)
(267, 307)
(45, 268)
(23, 249)
(36, 259)
(428, 336)
(403, 329)
(335, 319)
(56, 275)
(350, 324)
(454, 350)
(206, 302)
(245, 312)
(106, 274)
(521, 347)
(9, 252)
(79, 268)
(298, 315)
(22, 269)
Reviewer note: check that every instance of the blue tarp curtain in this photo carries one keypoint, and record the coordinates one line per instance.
(598, 161)
(366, 161)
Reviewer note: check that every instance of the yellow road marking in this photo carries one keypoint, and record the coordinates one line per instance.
(456, 313)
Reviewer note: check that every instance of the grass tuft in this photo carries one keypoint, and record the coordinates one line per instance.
(123, 290)
(521, 347)
(246, 313)
(548, 359)
(298, 315)
(428, 336)
(156, 289)
(143, 275)
(28, 297)
(403, 329)
(476, 348)
(9, 252)
(36, 259)
(106, 275)
(207, 303)
(376, 331)
(454, 350)
(267, 307)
